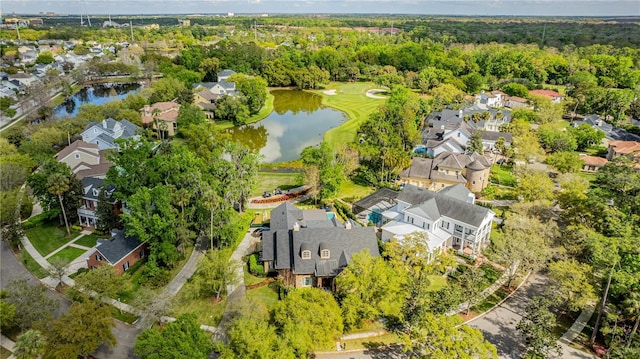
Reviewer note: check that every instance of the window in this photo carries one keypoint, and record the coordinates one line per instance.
(98, 257)
(444, 224)
(125, 265)
(306, 254)
(425, 225)
(459, 228)
(325, 253)
(307, 282)
(142, 253)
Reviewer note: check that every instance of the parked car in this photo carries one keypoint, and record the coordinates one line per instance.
(501, 161)
(266, 194)
(277, 191)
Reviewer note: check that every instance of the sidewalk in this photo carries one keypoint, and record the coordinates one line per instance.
(572, 333)
(7, 344)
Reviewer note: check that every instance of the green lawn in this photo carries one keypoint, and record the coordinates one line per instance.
(124, 316)
(268, 181)
(502, 175)
(372, 342)
(264, 112)
(265, 295)
(49, 237)
(208, 312)
(351, 99)
(352, 192)
(250, 279)
(134, 273)
(490, 301)
(32, 265)
(67, 255)
(437, 282)
(89, 240)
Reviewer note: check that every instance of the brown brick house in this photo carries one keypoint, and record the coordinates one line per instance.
(309, 248)
(120, 251)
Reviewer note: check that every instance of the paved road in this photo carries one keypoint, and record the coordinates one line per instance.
(11, 268)
(499, 325)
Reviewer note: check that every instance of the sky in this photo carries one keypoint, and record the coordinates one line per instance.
(425, 7)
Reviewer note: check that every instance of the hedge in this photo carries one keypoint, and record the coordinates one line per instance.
(255, 267)
(40, 219)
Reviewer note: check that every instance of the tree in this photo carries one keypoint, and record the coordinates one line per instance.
(475, 144)
(254, 338)
(189, 115)
(7, 312)
(537, 326)
(586, 136)
(632, 309)
(553, 140)
(369, 288)
(569, 284)
(524, 243)
(103, 281)
(471, 281)
(45, 57)
(232, 109)
(108, 219)
(440, 336)
(565, 162)
(243, 173)
(620, 180)
(166, 89)
(30, 345)
(214, 274)
(534, 184)
(58, 269)
(303, 332)
(58, 184)
(516, 89)
(328, 167)
(81, 331)
(253, 89)
(182, 339)
(32, 305)
(209, 68)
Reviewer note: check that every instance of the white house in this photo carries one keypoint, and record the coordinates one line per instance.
(449, 219)
(106, 132)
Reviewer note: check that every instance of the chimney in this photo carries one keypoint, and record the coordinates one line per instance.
(347, 224)
(460, 114)
(296, 227)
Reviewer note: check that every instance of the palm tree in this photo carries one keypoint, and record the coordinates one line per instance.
(30, 345)
(632, 308)
(57, 184)
(155, 112)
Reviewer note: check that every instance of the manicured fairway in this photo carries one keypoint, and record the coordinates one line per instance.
(351, 99)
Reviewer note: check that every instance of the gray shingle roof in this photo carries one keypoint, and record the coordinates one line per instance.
(89, 184)
(118, 246)
(339, 241)
(447, 206)
(284, 216)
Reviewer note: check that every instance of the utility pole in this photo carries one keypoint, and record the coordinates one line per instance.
(255, 30)
(18, 30)
(131, 27)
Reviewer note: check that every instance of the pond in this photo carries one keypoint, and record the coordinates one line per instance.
(96, 94)
(298, 120)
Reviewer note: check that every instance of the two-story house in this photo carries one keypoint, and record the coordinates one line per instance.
(206, 101)
(309, 248)
(448, 169)
(105, 133)
(448, 219)
(554, 96)
(492, 99)
(84, 159)
(91, 188)
(456, 137)
(163, 117)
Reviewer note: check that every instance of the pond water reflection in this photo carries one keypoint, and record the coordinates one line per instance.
(299, 120)
(96, 94)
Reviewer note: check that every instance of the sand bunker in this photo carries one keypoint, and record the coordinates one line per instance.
(372, 93)
(329, 92)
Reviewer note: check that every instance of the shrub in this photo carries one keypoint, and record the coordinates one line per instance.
(26, 207)
(155, 276)
(344, 210)
(75, 227)
(255, 267)
(40, 219)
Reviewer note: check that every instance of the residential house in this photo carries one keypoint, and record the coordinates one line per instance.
(220, 88)
(163, 116)
(491, 99)
(476, 117)
(448, 169)
(456, 137)
(121, 252)
(554, 96)
(611, 132)
(591, 163)
(623, 148)
(84, 159)
(105, 133)
(23, 78)
(91, 188)
(206, 101)
(309, 248)
(515, 102)
(225, 74)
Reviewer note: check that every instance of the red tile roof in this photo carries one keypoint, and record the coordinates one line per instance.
(594, 161)
(546, 93)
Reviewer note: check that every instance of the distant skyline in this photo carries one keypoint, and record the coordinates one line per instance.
(425, 7)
